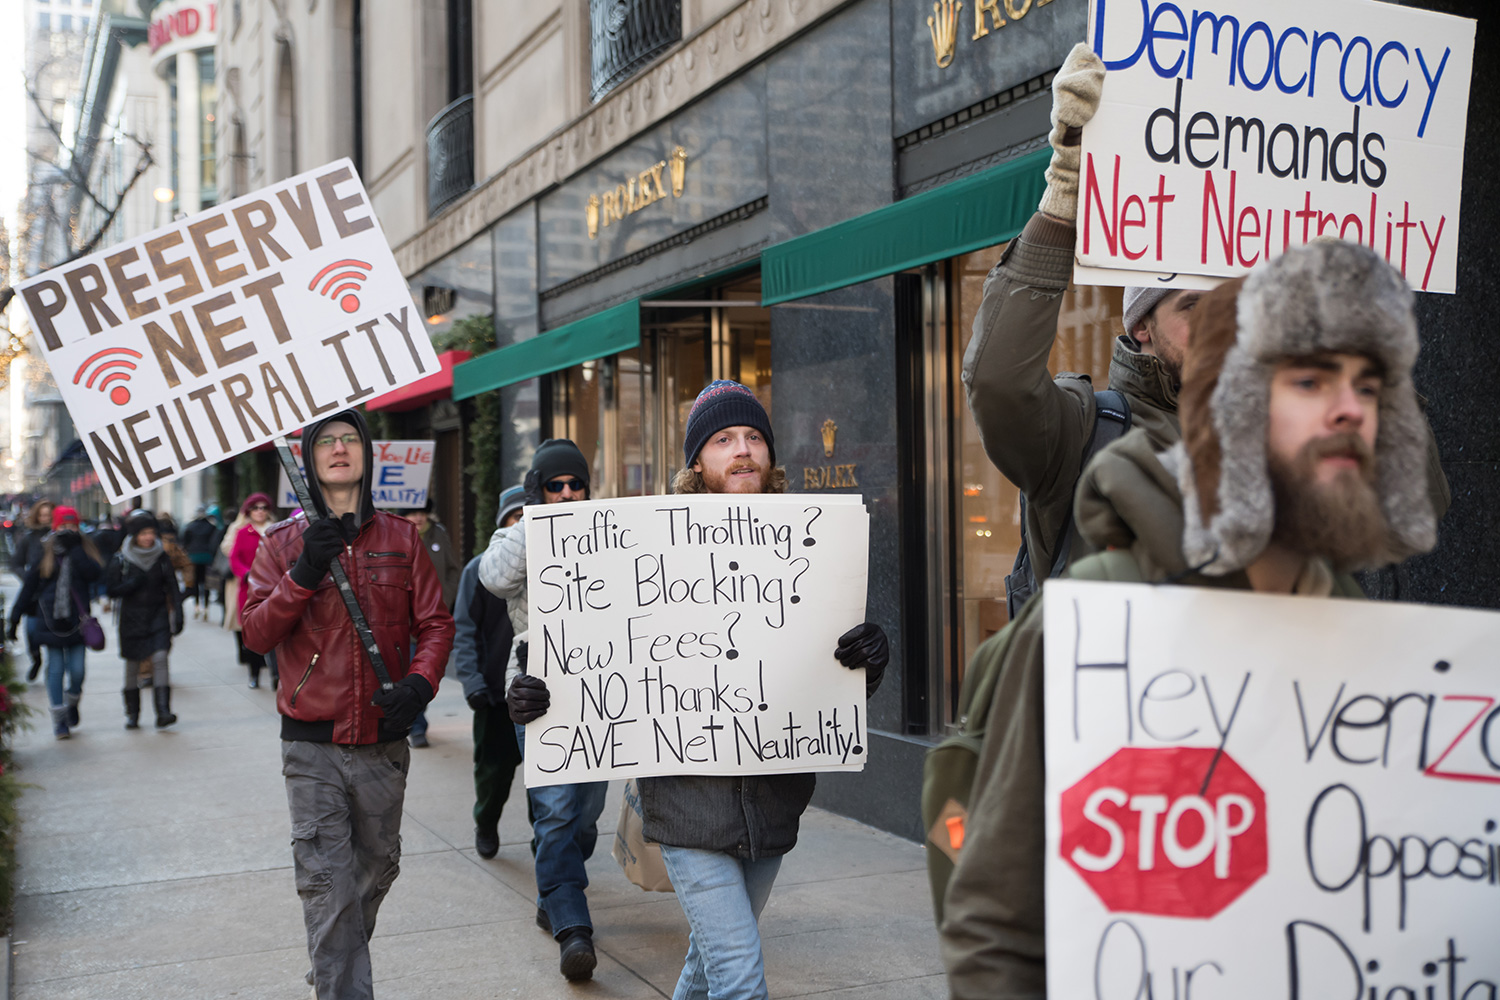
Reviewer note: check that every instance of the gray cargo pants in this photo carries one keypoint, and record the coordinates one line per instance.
(346, 848)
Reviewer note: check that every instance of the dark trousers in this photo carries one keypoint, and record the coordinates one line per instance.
(496, 756)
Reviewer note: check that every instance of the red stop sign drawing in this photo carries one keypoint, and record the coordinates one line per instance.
(1149, 838)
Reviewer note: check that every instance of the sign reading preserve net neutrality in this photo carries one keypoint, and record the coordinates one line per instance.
(224, 330)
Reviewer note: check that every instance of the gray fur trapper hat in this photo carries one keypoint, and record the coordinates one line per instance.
(1326, 297)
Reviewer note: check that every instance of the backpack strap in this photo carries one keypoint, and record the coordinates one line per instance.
(1111, 421)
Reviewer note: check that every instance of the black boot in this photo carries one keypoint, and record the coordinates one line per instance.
(132, 707)
(577, 959)
(164, 716)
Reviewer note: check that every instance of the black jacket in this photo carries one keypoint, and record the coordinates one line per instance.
(37, 597)
(150, 605)
(198, 539)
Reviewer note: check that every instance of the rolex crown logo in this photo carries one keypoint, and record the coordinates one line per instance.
(943, 26)
(829, 430)
(679, 170)
(592, 212)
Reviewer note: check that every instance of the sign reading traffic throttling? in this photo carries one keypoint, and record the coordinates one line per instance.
(224, 330)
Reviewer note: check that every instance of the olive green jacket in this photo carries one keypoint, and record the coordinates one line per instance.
(1034, 428)
(993, 932)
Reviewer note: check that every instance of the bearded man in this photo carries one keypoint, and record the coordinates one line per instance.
(1302, 458)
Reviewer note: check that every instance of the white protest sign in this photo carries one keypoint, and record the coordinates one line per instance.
(1231, 130)
(695, 635)
(403, 470)
(1264, 796)
(219, 332)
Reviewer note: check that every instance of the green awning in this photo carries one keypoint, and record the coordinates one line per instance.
(978, 211)
(604, 333)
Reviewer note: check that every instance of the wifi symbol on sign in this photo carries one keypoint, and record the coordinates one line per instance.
(343, 284)
(111, 369)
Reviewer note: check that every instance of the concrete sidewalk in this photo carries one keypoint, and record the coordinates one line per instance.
(157, 864)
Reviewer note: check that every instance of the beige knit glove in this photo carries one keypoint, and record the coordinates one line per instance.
(1075, 98)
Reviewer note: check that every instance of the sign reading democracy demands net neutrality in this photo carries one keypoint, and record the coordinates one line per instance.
(1253, 796)
(1230, 130)
(403, 470)
(695, 635)
(221, 331)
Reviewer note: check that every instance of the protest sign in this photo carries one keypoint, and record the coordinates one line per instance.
(1269, 796)
(227, 329)
(403, 470)
(695, 635)
(1232, 130)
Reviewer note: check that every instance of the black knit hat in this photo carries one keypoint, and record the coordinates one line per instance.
(140, 520)
(722, 404)
(559, 457)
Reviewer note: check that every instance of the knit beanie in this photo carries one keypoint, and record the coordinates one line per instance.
(721, 404)
(559, 457)
(510, 500)
(1139, 302)
(62, 515)
(138, 521)
(1328, 297)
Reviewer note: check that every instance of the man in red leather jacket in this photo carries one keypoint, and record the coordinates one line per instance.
(343, 739)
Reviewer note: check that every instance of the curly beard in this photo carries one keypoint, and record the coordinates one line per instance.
(1340, 520)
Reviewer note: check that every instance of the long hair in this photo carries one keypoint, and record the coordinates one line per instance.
(48, 564)
(34, 518)
(688, 480)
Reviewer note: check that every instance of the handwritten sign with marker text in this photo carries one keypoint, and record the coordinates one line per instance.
(695, 635)
(1257, 796)
(219, 332)
(1232, 130)
(403, 470)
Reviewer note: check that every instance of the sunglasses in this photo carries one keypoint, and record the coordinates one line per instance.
(260, 506)
(576, 485)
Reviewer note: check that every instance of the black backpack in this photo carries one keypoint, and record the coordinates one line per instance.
(1111, 421)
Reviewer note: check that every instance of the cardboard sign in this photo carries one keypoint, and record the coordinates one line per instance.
(1230, 132)
(695, 635)
(217, 333)
(402, 471)
(1260, 796)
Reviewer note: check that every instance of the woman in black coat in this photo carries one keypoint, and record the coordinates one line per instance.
(141, 578)
(56, 591)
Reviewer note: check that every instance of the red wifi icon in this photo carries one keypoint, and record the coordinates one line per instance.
(112, 367)
(342, 284)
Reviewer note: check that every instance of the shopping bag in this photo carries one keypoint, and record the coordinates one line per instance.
(641, 862)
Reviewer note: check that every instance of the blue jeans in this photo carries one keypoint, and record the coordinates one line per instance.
(64, 660)
(722, 896)
(419, 724)
(564, 828)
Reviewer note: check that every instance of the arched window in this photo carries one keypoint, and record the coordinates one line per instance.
(285, 151)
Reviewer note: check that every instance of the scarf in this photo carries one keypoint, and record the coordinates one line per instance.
(144, 559)
(62, 596)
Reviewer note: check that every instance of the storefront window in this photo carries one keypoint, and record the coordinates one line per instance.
(985, 511)
(208, 101)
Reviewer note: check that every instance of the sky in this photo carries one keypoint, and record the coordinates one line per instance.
(12, 111)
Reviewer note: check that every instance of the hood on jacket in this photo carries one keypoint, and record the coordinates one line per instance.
(1328, 297)
(366, 497)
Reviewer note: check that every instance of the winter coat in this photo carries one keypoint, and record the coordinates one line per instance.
(150, 609)
(198, 540)
(28, 550)
(444, 559)
(327, 680)
(241, 558)
(38, 596)
(502, 570)
(993, 934)
(482, 636)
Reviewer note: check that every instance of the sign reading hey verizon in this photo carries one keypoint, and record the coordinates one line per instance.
(695, 635)
(1257, 796)
(1230, 130)
(224, 330)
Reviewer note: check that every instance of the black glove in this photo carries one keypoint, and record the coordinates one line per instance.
(404, 702)
(528, 699)
(865, 646)
(532, 484)
(321, 544)
(478, 700)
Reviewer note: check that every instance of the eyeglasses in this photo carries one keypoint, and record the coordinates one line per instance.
(260, 506)
(558, 485)
(327, 440)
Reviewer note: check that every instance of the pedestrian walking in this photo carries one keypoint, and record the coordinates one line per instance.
(1302, 458)
(445, 562)
(198, 540)
(140, 578)
(482, 637)
(565, 818)
(106, 538)
(28, 551)
(256, 511)
(343, 749)
(56, 591)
